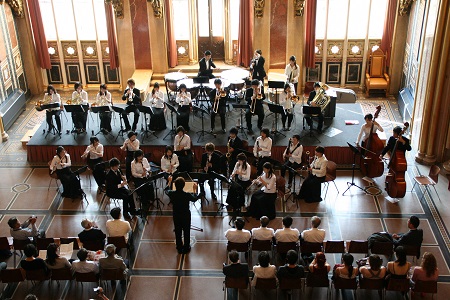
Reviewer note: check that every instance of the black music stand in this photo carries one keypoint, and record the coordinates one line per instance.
(222, 179)
(276, 109)
(200, 178)
(146, 110)
(77, 173)
(173, 110)
(202, 95)
(79, 108)
(350, 184)
(52, 129)
(242, 107)
(310, 110)
(158, 201)
(101, 109)
(293, 194)
(202, 132)
(120, 111)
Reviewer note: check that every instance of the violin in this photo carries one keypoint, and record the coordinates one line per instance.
(372, 165)
(395, 179)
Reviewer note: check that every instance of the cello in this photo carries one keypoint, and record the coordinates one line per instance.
(373, 165)
(395, 179)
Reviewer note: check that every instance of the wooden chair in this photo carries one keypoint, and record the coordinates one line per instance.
(430, 180)
(376, 76)
(358, 246)
(266, 285)
(307, 247)
(397, 285)
(119, 242)
(69, 240)
(330, 176)
(281, 187)
(384, 248)
(427, 287)
(412, 250)
(61, 274)
(53, 176)
(42, 243)
(309, 87)
(240, 283)
(37, 275)
(334, 247)
(284, 247)
(86, 277)
(340, 283)
(290, 284)
(4, 244)
(260, 245)
(94, 245)
(20, 246)
(239, 247)
(12, 276)
(318, 279)
(372, 284)
(112, 275)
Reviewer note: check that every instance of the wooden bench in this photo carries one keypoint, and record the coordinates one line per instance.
(142, 78)
(26, 138)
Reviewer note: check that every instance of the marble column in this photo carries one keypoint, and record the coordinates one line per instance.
(140, 34)
(261, 34)
(278, 33)
(125, 44)
(158, 41)
(295, 40)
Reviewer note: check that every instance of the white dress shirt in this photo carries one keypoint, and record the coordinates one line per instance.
(60, 163)
(83, 94)
(319, 166)
(262, 233)
(313, 235)
(183, 100)
(184, 141)
(94, 152)
(365, 132)
(107, 97)
(296, 153)
(245, 175)
(55, 98)
(271, 183)
(287, 235)
(167, 162)
(118, 228)
(292, 73)
(131, 145)
(238, 236)
(260, 272)
(285, 100)
(157, 99)
(265, 145)
(138, 168)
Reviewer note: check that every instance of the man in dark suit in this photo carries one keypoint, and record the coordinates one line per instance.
(210, 162)
(235, 145)
(235, 270)
(221, 105)
(256, 105)
(91, 233)
(205, 66)
(116, 187)
(403, 142)
(257, 66)
(413, 237)
(312, 95)
(133, 97)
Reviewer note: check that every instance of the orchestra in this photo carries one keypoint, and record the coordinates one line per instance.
(311, 187)
(210, 162)
(140, 170)
(182, 146)
(61, 164)
(205, 65)
(293, 157)
(234, 147)
(240, 176)
(312, 96)
(263, 201)
(169, 162)
(292, 72)
(257, 66)
(130, 145)
(94, 156)
(132, 96)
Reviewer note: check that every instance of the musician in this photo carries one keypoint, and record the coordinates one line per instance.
(56, 111)
(262, 149)
(104, 98)
(311, 188)
(216, 95)
(241, 175)
(310, 102)
(293, 157)
(117, 187)
(133, 97)
(169, 162)
(263, 201)
(255, 96)
(257, 66)
(285, 100)
(234, 145)
(364, 133)
(206, 64)
(403, 142)
(184, 106)
(211, 161)
(130, 145)
(70, 181)
(182, 146)
(158, 120)
(292, 72)
(140, 170)
(79, 96)
(94, 156)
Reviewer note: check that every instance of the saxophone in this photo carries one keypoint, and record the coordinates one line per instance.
(321, 99)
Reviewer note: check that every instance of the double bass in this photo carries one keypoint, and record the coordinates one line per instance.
(373, 165)
(395, 179)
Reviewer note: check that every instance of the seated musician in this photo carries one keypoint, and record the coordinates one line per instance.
(158, 120)
(70, 181)
(104, 98)
(364, 133)
(133, 97)
(211, 161)
(255, 96)
(94, 156)
(310, 102)
(293, 156)
(262, 149)
(403, 144)
(218, 98)
(234, 146)
(184, 107)
(169, 162)
(140, 170)
(117, 187)
(241, 175)
(206, 64)
(130, 145)
(285, 100)
(263, 201)
(182, 146)
(79, 96)
(311, 187)
(52, 97)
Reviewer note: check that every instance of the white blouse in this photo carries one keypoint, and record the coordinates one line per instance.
(157, 100)
(365, 132)
(167, 162)
(292, 73)
(265, 145)
(139, 168)
(55, 98)
(184, 141)
(107, 97)
(286, 101)
(60, 163)
(319, 166)
(83, 95)
(271, 183)
(296, 153)
(245, 175)
(130, 146)
(94, 152)
(183, 99)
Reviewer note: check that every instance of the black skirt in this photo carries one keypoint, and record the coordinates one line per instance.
(158, 120)
(263, 204)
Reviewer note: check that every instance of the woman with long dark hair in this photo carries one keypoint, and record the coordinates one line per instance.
(263, 201)
(158, 120)
(53, 97)
(140, 170)
(400, 267)
(104, 98)
(184, 107)
(54, 261)
(346, 270)
(71, 182)
(292, 72)
(94, 156)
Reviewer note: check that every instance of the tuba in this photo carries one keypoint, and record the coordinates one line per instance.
(321, 99)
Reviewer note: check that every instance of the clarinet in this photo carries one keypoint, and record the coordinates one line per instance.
(288, 150)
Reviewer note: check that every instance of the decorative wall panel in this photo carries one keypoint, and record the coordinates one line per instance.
(111, 76)
(92, 72)
(54, 74)
(73, 72)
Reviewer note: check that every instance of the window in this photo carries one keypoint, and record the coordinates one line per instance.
(337, 15)
(217, 18)
(358, 17)
(181, 19)
(377, 17)
(234, 19)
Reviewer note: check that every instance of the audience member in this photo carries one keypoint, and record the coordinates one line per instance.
(319, 263)
(400, 267)
(82, 265)
(346, 270)
(413, 237)
(32, 262)
(117, 226)
(263, 233)
(91, 233)
(428, 270)
(287, 234)
(264, 269)
(314, 234)
(21, 231)
(375, 270)
(112, 261)
(238, 234)
(235, 269)
(291, 269)
(54, 261)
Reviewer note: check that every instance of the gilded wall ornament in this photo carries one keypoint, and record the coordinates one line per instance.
(259, 8)
(16, 7)
(157, 8)
(299, 7)
(118, 7)
(405, 6)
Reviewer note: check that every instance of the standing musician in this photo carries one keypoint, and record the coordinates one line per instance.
(182, 146)
(364, 133)
(263, 201)
(210, 162)
(255, 96)
(403, 144)
(79, 96)
(292, 72)
(311, 188)
(104, 98)
(158, 120)
(130, 145)
(52, 97)
(310, 103)
(70, 181)
(234, 146)
(285, 100)
(169, 162)
(133, 97)
(241, 175)
(293, 157)
(206, 64)
(184, 106)
(257, 66)
(140, 170)
(117, 187)
(218, 98)
(262, 149)
(94, 156)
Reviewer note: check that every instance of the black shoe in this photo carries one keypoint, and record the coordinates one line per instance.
(133, 128)
(211, 131)
(180, 250)
(186, 249)
(224, 131)
(250, 131)
(214, 196)
(127, 128)
(319, 130)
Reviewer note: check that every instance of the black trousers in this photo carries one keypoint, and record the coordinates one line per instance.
(263, 204)
(310, 123)
(213, 119)
(259, 111)
(128, 160)
(98, 170)
(71, 183)
(131, 109)
(145, 192)
(311, 189)
(79, 119)
(289, 117)
(182, 227)
(261, 162)
(105, 121)
(186, 162)
(236, 194)
(157, 120)
(183, 117)
(48, 117)
(128, 201)
(293, 165)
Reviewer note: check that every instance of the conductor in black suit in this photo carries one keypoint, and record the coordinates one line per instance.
(206, 64)
(257, 66)
(220, 106)
(211, 161)
(235, 270)
(133, 97)
(255, 96)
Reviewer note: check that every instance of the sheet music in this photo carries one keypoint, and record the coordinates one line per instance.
(66, 250)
